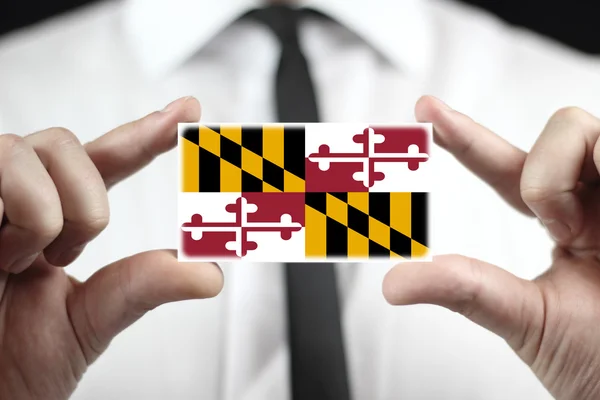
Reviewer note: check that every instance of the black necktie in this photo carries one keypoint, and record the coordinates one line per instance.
(318, 365)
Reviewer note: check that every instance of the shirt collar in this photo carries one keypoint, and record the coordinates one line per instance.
(164, 33)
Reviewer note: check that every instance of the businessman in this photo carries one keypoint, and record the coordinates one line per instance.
(356, 61)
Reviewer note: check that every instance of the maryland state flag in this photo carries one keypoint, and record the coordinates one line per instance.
(304, 192)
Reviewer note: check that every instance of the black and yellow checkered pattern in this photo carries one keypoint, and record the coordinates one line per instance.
(235, 158)
(366, 225)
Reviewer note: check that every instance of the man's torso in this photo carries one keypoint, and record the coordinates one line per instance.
(81, 73)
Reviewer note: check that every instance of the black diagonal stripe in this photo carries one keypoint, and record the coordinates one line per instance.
(210, 171)
(252, 139)
(293, 150)
(377, 250)
(250, 183)
(316, 200)
(192, 133)
(419, 218)
(231, 152)
(272, 174)
(358, 221)
(400, 243)
(337, 239)
(379, 207)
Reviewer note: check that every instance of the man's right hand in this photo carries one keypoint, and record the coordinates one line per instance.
(552, 321)
(53, 201)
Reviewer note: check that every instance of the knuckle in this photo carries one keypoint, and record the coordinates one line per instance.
(465, 148)
(62, 137)
(534, 195)
(571, 114)
(10, 143)
(97, 220)
(468, 301)
(136, 304)
(48, 228)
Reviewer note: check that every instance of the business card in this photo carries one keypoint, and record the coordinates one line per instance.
(345, 192)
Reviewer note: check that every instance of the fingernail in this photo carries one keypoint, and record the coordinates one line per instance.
(21, 264)
(171, 105)
(558, 230)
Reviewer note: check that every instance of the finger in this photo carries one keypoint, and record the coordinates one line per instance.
(554, 168)
(130, 147)
(484, 153)
(119, 294)
(32, 212)
(489, 296)
(81, 190)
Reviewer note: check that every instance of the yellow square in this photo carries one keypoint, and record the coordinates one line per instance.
(252, 163)
(337, 209)
(379, 232)
(359, 200)
(210, 140)
(291, 183)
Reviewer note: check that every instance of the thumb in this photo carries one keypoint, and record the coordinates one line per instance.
(130, 147)
(119, 294)
(506, 305)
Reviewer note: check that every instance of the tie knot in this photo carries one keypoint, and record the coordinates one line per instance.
(281, 19)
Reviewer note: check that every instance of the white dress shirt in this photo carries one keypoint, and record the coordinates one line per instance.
(116, 61)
